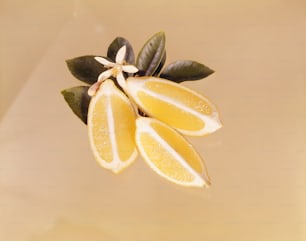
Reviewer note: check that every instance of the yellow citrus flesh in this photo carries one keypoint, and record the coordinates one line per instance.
(169, 154)
(111, 128)
(181, 108)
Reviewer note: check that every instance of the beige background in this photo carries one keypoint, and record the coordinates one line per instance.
(51, 189)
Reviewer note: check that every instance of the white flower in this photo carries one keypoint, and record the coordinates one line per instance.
(115, 69)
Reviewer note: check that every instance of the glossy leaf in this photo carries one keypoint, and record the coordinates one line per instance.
(78, 100)
(161, 65)
(85, 68)
(151, 54)
(183, 70)
(116, 45)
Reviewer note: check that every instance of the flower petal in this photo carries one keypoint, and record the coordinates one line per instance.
(129, 69)
(105, 75)
(121, 55)
(121, 80)
(104, 61)
(93, 89)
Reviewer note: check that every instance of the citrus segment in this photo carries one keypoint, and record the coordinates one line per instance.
(174, 104)
(169, 154)
(111, 128)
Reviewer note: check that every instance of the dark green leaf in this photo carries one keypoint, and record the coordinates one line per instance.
(116, 45)
(182, 70)
(161, 65)
(85, 68)
(151, 54)
(78, 100)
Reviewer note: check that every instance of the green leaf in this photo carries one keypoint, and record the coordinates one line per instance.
(151, 54)
(161, 65)
(85, 68)
(116, 45)
(78, 100)
(182, 70)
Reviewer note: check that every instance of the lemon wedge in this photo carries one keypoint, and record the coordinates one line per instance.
(172, 103)
(169, 154)
(111, 127)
